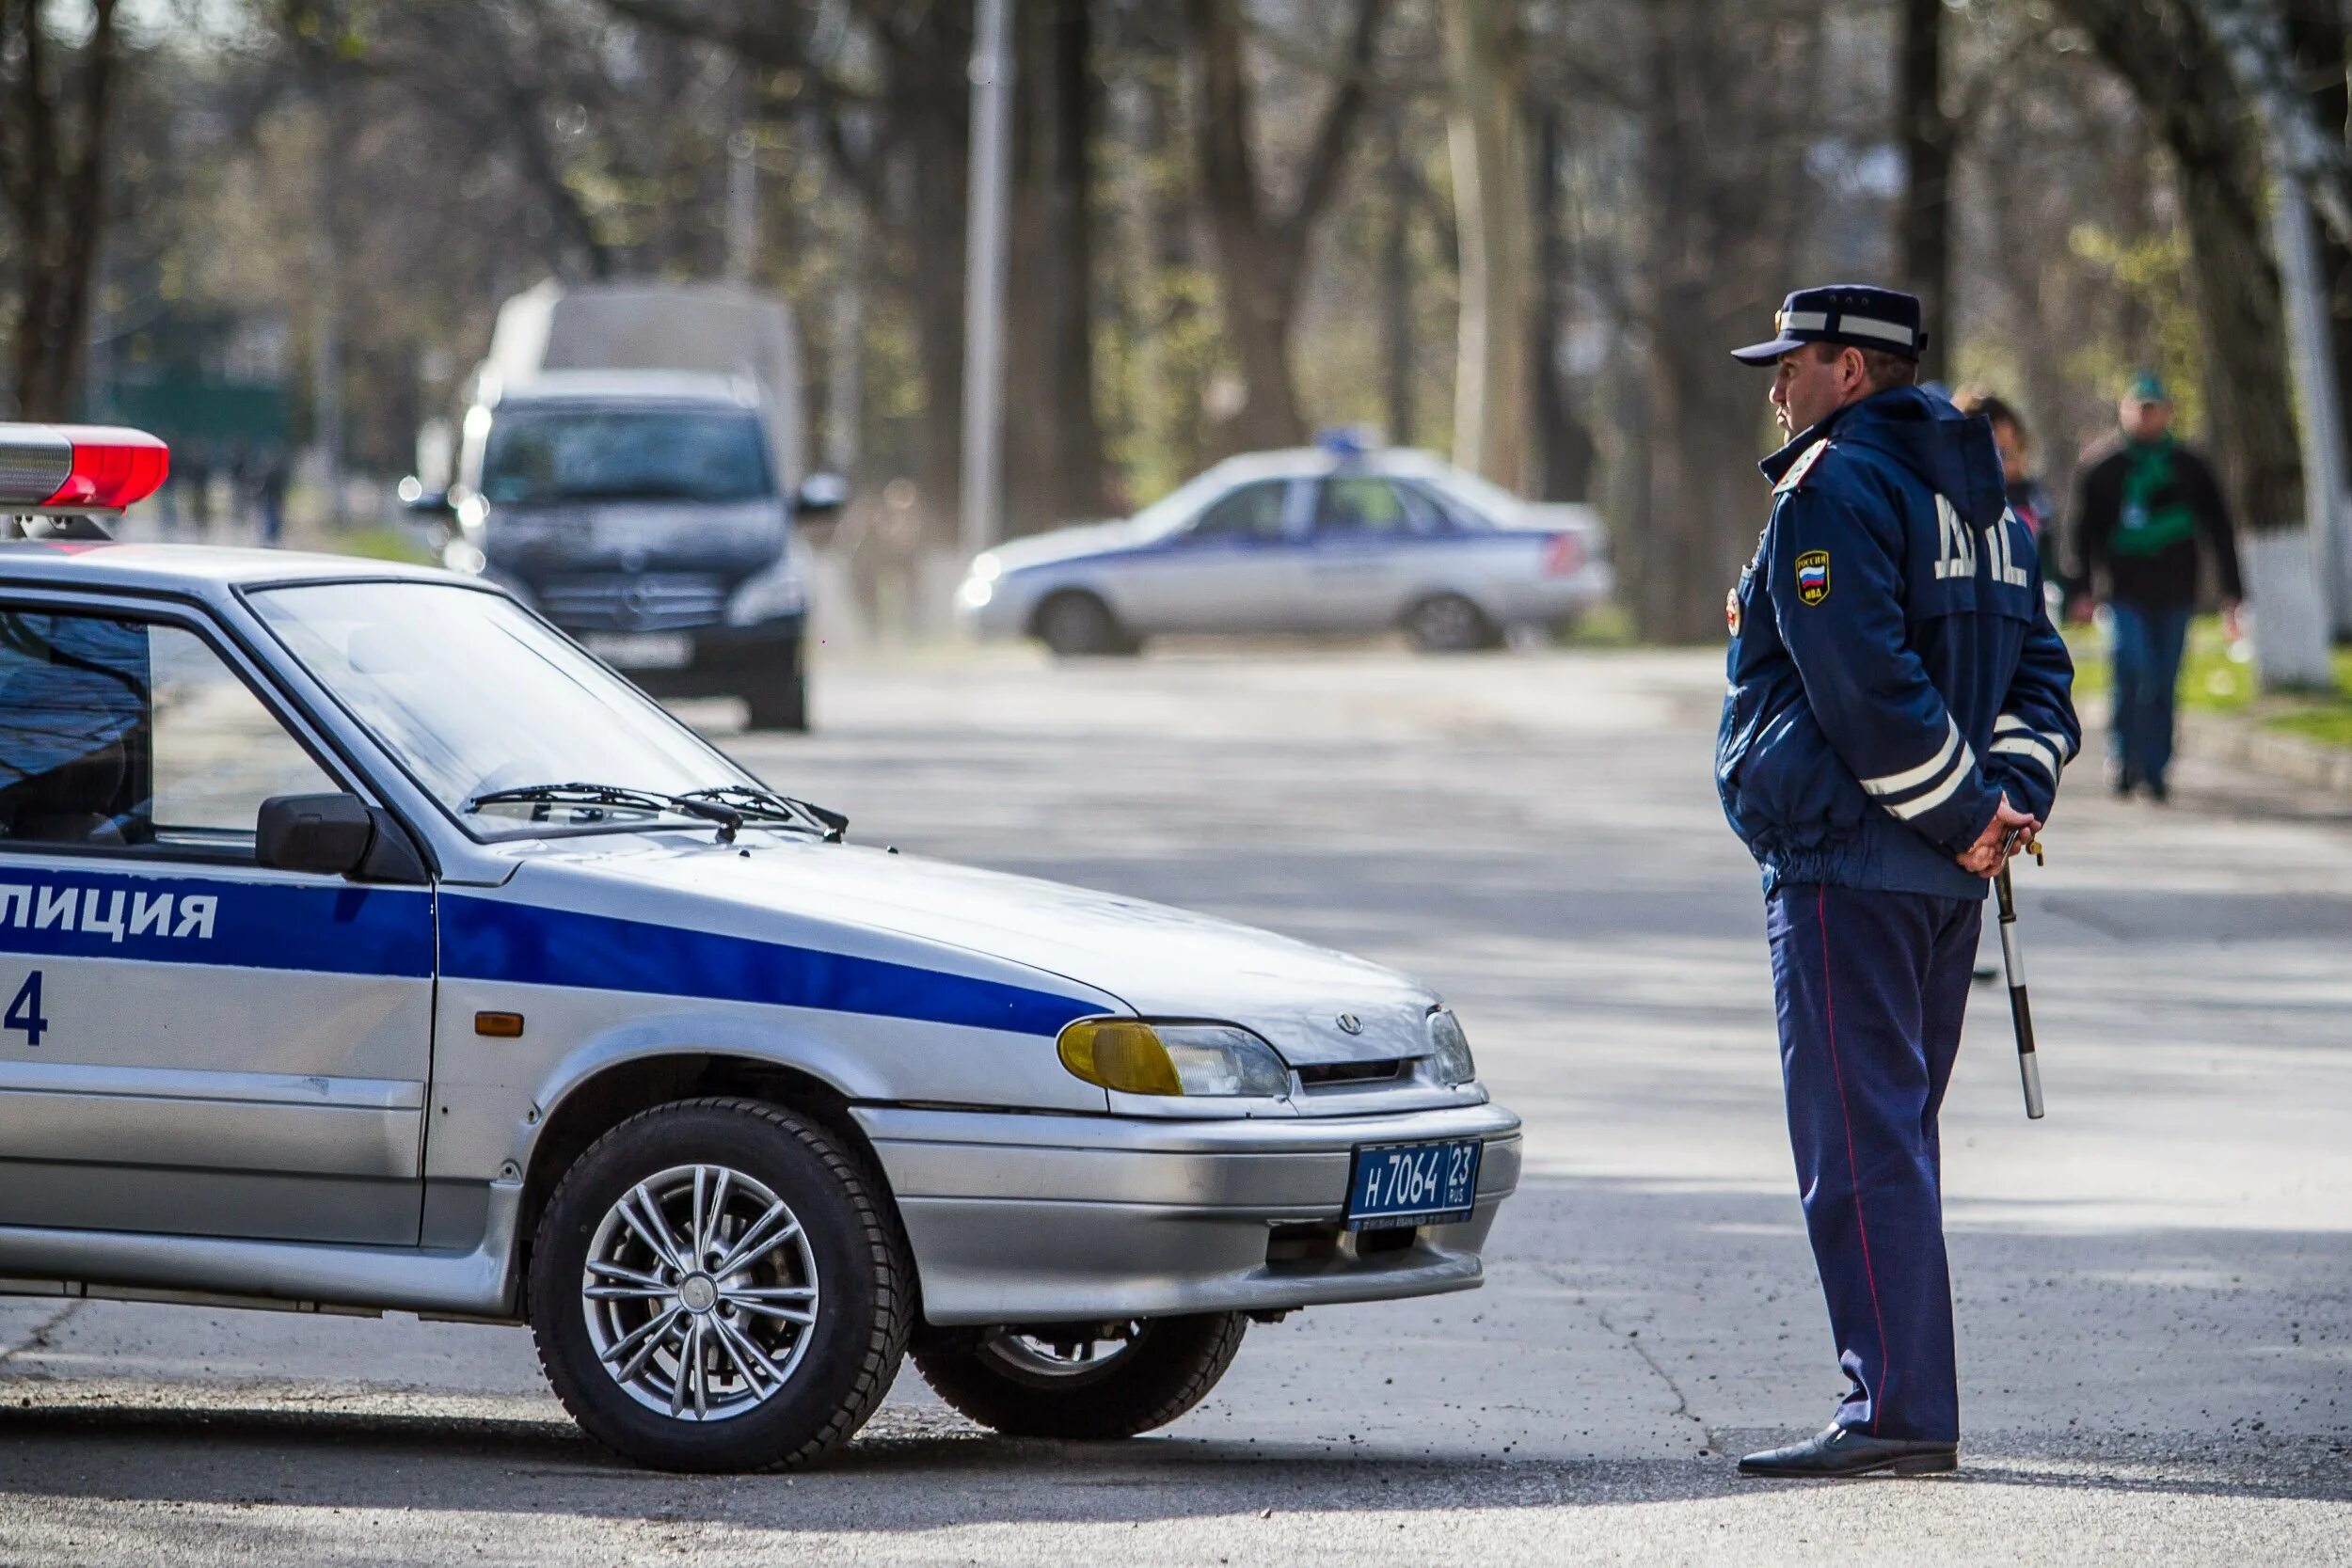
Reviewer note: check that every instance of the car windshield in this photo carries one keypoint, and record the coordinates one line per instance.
(475, 696)
(541, 456)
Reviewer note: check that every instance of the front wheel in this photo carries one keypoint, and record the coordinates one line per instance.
(1077, 624)
(718, 1285)
(1082, 1380)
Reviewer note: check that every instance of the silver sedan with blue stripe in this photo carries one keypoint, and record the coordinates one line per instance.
(367, 946)
(1321, 542)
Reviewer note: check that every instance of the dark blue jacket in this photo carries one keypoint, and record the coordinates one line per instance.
(1893, 667)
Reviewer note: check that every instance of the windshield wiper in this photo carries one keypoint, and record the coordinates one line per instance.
(767, 802)
(729, 819)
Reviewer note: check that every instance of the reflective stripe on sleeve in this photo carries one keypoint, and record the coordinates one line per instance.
(1911, 778)
(1941, 793)
(2032, 747)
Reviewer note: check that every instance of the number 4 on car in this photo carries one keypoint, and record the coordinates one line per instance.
(389, 952)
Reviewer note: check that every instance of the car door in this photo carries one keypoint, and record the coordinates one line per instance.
(1371, 544)
(191, 1043)
(1235, 568)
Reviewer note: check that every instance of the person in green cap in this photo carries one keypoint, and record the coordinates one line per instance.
(2140, 512)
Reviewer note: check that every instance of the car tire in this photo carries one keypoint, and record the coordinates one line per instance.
(781, 706)
(836, 1257)
(1001, 1379)
(1448, 623)
(1077, 625)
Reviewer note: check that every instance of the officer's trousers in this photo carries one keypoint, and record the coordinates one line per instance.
(1870, 988)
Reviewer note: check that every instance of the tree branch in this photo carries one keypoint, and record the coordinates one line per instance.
(1328, 159)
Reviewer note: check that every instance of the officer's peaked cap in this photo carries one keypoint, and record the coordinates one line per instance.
(1856, 314)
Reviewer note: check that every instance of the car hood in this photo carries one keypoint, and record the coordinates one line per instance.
(1071, 544)
(1161, 961)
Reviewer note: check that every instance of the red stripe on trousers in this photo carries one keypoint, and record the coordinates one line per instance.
(1829, 1009)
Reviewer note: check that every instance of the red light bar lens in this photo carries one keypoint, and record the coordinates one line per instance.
(112, 466)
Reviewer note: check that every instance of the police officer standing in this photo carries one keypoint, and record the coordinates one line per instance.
(1896, 718)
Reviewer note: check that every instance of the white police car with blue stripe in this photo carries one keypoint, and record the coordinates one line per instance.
(1340, 540)
(368, 945)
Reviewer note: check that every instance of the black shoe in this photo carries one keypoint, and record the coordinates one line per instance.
(2159, 791)
(1987, 971)
(1843, 1451)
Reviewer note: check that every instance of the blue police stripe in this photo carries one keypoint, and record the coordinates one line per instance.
(487, 940)
(324, 930)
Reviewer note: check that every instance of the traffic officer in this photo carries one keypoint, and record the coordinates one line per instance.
(1895, 721)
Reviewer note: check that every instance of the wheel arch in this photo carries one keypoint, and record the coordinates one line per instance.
(601, 1096)
(1081, 587)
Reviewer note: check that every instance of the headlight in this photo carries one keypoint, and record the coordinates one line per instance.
(776, 592)
(1450, 1047)
(975, 593)
(1136, 1057)
(986, 568)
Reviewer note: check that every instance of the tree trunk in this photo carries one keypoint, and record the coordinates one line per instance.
(1261, 254)
(1489, 142)
(52, 161)
(1055, 440)
(1564, 449)
(1396, 285)
(1928, 134)
(1714, 178)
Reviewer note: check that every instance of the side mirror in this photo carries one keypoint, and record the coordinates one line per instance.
(330, 833)
(821, 493)
(416, 498)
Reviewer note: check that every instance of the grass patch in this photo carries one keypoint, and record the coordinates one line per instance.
(2214, 680)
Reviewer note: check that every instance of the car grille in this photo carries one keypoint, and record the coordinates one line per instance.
(648, 601)
(1325, 1075)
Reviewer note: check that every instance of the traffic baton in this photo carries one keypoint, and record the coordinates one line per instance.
(2020, 1013)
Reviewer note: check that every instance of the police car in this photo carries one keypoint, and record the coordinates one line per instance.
(365, 946)
(1337, 539)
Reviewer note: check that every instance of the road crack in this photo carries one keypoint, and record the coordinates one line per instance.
(39, 1338)
(1632, 1339)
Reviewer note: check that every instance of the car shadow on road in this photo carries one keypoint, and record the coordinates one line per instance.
(901, 1478)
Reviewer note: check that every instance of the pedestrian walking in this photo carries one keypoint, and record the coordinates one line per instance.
(1897, 714)
(2140, 512)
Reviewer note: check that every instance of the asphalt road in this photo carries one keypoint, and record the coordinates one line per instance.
(2154, 1284)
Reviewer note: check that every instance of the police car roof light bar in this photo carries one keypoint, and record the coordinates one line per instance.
(79, 469)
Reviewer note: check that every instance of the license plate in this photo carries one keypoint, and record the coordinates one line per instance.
(651, 650)
(1392, 1185)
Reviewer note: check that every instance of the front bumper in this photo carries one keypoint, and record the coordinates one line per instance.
(729, 661)
(1025, 1218)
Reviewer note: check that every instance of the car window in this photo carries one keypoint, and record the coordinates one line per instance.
(1452, 517)
(540, 456)
(134, 734)
(1252, 512)
(1363, 505)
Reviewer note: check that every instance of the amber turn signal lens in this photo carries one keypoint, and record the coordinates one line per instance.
(1119, 1054)
(498, 1026)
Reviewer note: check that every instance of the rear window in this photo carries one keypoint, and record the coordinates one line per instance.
(547, 455)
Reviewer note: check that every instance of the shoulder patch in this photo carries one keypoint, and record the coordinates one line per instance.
(1802, 466)
(1813, 576)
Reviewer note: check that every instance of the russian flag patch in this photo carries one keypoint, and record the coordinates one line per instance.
(1813, 576)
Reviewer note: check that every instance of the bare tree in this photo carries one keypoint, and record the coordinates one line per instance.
(1260, 245)
(53, 139)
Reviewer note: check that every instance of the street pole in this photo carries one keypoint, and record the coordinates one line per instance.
(743, 195)
(984, 276)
